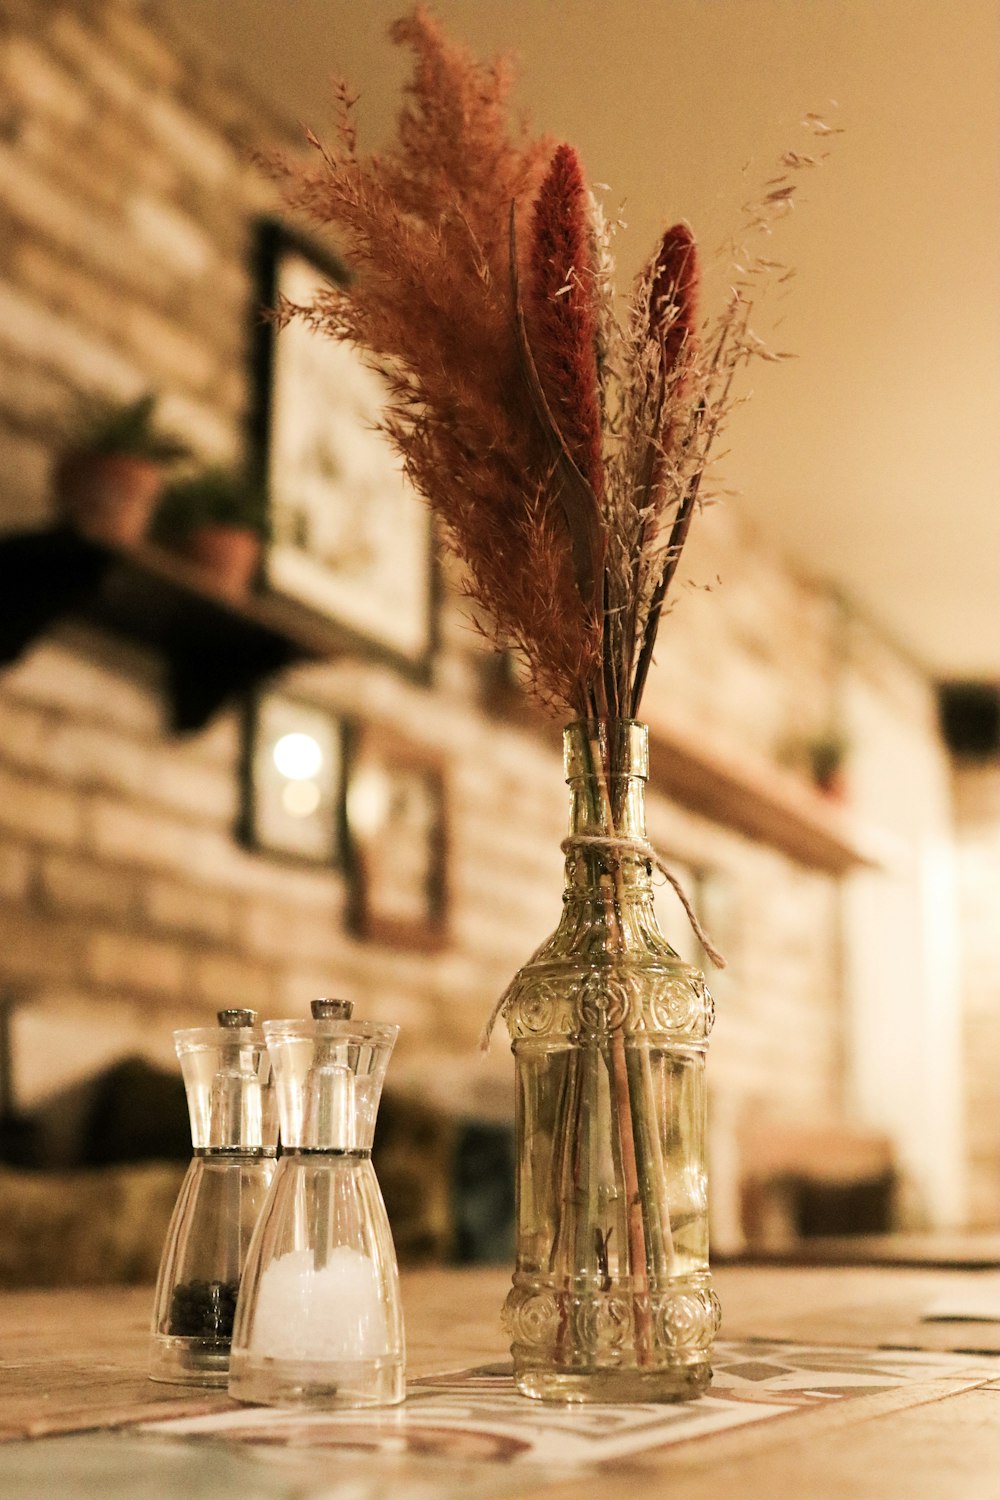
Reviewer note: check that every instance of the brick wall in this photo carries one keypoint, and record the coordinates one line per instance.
(127, 907)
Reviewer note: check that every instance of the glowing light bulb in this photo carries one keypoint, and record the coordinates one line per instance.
(297, 756)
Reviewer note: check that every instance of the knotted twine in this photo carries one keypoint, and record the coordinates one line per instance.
(645, 850)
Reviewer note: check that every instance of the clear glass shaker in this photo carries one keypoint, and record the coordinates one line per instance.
(230, 1093)
(319, 1321)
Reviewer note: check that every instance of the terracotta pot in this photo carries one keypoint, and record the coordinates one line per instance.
(108, 496)
(227, 555)
(833, 784)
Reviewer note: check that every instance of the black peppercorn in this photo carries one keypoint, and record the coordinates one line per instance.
(203, 1309)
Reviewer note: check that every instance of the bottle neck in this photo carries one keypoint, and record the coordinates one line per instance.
(606, 768)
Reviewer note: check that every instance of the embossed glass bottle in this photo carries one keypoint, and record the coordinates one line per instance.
(612, 1298)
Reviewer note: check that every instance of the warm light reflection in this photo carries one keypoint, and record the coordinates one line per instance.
(300, 798)
(298, 756)
(368, 802)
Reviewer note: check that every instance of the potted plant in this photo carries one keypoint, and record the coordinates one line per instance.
(219, 518)
(110, 472)
(827, 754)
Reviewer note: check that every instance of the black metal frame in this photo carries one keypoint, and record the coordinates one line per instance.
(247, 825)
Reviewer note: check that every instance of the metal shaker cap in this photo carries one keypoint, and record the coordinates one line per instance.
(325, 1008)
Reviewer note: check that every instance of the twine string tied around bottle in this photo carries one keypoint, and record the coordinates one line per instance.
(616, 844)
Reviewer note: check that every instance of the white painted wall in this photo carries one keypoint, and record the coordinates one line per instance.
(902, 991)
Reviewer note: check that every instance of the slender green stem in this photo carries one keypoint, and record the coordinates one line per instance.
(584, 1165)
(563, 1135)
(611, 889)
(650, 1151)
(563, 1142)
(621, 1214)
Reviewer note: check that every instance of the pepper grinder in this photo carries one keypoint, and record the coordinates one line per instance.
(318, 1321)
(230, 1095)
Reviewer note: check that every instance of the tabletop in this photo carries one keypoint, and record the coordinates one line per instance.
(872, 1382)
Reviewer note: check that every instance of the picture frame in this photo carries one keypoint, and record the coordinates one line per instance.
(293, 779)
(351, 539)
(397, 835)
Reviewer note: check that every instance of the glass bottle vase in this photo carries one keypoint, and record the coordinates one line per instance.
(611, 1297)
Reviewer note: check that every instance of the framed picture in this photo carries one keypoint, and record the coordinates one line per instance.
(397, 834)
(351, 538)
(293, 780)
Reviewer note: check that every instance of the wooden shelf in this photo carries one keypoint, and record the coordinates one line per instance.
(215, 647)
(758, 798)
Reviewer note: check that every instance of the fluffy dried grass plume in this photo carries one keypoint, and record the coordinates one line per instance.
(560, 439)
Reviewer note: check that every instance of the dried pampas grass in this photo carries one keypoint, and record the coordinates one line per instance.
(561, 438)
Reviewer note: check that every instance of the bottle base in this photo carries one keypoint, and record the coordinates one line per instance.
(306, 1383)
(614, 1386)
(579, 1343)
(189, 1361)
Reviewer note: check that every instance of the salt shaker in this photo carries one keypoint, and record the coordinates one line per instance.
(230, 1094)
(319, 1322)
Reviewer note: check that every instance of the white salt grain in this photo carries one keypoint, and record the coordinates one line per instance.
(333, 1312)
